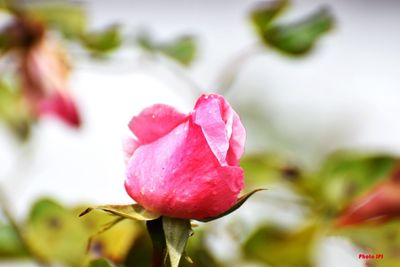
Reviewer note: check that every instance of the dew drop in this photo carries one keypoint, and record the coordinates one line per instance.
(153, 116)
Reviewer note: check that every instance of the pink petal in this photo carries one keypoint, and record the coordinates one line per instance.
(179, 176)
(222, 128)
(129, 146)
(208, 115)
(62, 106)
(155, 122)
(236, 142)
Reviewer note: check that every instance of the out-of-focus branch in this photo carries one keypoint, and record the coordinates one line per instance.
(229, 73)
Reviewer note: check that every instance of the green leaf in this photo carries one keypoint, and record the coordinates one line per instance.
(101, 263)
(299, 38)
(102, 234)
(103, 42)
(182, 49)
(55, 234)
(14, 112)
(58, 235)
(133, 212)
(177, 232)
(11, 246)
(281, 248)
(238, 204)
(199, 253)
(343, 176)
(69, 19)
(262, 169)
(265, 12)
(140, 251)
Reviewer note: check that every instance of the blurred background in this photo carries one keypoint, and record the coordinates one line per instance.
(316, 87)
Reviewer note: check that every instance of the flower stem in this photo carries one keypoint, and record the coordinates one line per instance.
(155, 229)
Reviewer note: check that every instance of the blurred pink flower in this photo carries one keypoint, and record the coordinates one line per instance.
(186, 166)
(44, 73)
(43, 70)
(380, 204)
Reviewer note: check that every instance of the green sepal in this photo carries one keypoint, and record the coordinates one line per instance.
(132, 212)
(238, 204)
(177, 232)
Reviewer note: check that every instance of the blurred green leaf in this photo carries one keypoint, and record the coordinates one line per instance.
(265, 12)
(58, 235)
(299, 38)
(55, 234)
(69, 19)
(115, 243)
(182, 49)
(14, 112)
(197, 250)
(133, 212)
(101, 263)
(103, 42)
(344, 176)
(177, 233)
(262, 169)
(279, 248)
(140, 251)
(11, 246)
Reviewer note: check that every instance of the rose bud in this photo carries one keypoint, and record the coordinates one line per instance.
(44, 72)
(380, 204)
(186, 166)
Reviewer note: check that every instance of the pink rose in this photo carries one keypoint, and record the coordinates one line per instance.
(43, 69)
(186, 166)
(44, 72)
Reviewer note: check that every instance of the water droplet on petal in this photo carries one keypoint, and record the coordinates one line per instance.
(153, 116)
